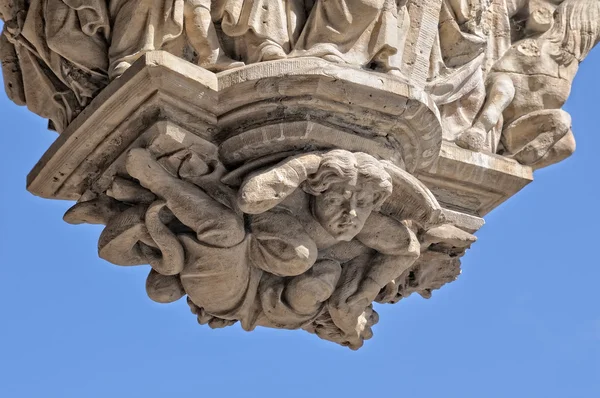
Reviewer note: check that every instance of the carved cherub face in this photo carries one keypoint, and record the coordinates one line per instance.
(347, 187)
(343, 209)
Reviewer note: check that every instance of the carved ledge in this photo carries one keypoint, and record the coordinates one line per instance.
(311, 97)
(473, 182)
(278, 174)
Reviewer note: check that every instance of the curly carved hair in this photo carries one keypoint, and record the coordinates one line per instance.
(340, 166)
(576, 29)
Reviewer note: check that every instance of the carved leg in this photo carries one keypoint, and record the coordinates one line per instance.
(219, 280)
(294, 302)
(202, 35)
(127, 24)
(326, 329)
(352, 320)
(213, 223)
(500, 93)
(530, 138)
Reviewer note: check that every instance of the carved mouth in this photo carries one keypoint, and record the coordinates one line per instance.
(345, 225)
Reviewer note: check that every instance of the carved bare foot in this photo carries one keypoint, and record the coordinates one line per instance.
(372, 318)
(562, 150)
(473, 139)
(366, 321)
(272, 52)
(223, 62)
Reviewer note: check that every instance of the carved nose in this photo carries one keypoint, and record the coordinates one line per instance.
(353, 213)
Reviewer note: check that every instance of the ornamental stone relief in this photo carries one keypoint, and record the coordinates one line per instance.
(286, 164)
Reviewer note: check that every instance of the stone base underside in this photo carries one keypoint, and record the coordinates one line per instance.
(288, 194)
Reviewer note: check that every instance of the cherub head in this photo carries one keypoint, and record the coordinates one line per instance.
(346, 188)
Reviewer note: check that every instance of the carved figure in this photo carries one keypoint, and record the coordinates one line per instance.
(202, 35)
(57, 53)
(295, 233)
(439, 263)
(297, 256)
(227, 273)
(530, 84)
(472, 35)
(263, 30)
(142, 26)
(358, 33)
(339, 215)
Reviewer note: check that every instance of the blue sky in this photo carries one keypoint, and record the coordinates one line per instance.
(523, 320)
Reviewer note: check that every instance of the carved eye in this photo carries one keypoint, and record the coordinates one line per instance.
(334, 200)
(365, 200)
(363, 203)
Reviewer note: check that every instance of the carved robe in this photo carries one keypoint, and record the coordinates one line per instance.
(356, 32)
(472, 36)
(244, 20)
(140, 26)
(62, 53)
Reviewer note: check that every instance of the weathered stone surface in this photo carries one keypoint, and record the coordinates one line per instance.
(318, 104)
(528, 84)
(287, 164)
(473, 182)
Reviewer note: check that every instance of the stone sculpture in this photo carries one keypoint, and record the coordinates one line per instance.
(142, 26)
(262, 30)
(532, 81)
(57, 55)
(360, 33)
(286, 164)
(308, 223)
